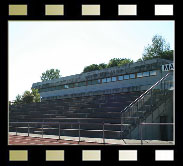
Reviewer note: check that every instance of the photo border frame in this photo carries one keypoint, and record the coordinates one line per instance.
(72, 11)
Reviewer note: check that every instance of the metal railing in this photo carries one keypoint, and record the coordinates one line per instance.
(138, 105)
(140, 130)
(141, 97)
(59, 127)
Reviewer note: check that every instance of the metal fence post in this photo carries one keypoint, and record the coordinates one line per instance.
(121, 124)
(16, 129)
(79, 131)
(59, 130)
(138, 127)
(42, 130)
(103, 134)
(151, 105)
(28, 129)
(141, 133)
(130, 132)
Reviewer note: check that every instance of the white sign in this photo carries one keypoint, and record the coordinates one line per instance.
(168, 67)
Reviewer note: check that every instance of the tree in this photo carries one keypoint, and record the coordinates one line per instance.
(125, 61)
(27, 97)
(18, 99)
(139, 60)
(50, 74)
(113, 62)
(119, 62)
(158, 49)
(167, 55)
(32, 96)
(89, 68)
(102, 66)
(36, 95)
(94, 67)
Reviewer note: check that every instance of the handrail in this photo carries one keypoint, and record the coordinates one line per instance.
(157, 123)
(141, 96)
(51, 123)
(59, 123)
(68, 122)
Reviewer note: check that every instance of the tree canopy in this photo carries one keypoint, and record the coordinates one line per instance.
(94, 67)
(119, 62)
(32, 96)
(50, 74)
(112, 63)
(18, 99)
(158, 49)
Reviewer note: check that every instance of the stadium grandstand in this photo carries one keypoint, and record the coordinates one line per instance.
(130, 102)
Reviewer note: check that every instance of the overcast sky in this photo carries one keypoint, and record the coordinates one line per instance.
(36, 46)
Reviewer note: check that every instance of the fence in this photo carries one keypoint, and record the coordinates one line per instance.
(141, 126)
(59, 127)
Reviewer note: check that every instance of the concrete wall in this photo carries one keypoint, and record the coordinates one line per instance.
(154, 64)
(157, 132)
(146, 81)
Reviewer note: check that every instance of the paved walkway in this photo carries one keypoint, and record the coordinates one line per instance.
(36, 139)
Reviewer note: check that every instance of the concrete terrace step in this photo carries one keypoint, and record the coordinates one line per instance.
(90, 120)
(76, 115)
(104, 115)
(86, 126)
(36, 116)
(91, 109)
(83, 133)
(92, 133)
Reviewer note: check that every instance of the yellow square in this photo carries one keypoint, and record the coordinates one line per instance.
(91, 155)
(54, 10)
(127, 9)
(127, 155)
(90, 9)
(15, 10)
(18, 155)
(54, 155)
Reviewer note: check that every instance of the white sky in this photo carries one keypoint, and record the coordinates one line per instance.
(36, 46)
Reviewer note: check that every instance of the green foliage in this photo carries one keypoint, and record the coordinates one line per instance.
(50, 74)
(119, 62)
(167, 55)
(102, 66)
(28, 97)
(139, 60)
(113, 62)
(92, 67)
(158, 49)
(18, 99)
(36, 95)
(125, 61)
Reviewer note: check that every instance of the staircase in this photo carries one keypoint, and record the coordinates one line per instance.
(85, 115)
(149, 107)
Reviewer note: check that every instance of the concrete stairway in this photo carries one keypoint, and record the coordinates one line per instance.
(85, 116)
(93, 111)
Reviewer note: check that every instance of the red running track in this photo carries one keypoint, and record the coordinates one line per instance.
(25, 140)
